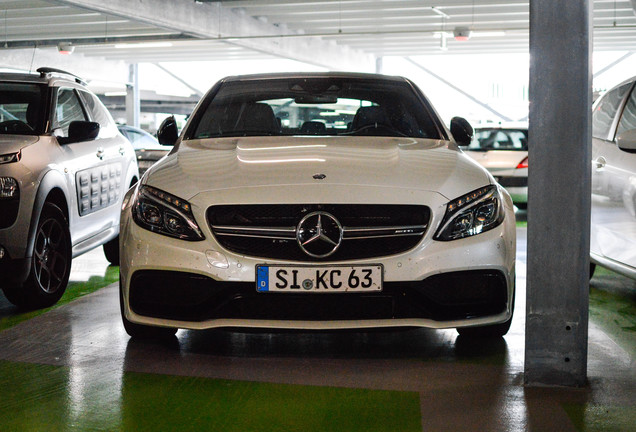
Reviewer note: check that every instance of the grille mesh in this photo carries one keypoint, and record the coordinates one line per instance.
(289, 215)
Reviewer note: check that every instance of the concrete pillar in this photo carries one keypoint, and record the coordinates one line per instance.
(133, 105)
(559, 192)
(379, 65)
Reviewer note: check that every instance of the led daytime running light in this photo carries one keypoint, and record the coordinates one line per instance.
(167, 198)
(459, 203)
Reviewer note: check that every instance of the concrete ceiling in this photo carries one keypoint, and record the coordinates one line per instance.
(336, 34)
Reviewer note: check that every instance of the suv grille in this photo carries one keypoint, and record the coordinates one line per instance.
(269, 231)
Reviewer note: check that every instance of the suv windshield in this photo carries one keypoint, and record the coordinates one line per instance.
(21, 108)
(486, 139)
(314, 106)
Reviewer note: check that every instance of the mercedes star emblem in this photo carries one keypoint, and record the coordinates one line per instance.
(319, 234)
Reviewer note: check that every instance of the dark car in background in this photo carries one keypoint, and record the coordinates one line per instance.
(147, 148)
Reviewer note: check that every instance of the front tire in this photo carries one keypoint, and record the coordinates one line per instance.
(111, 251)
(50, 263)
(140, 331)
(489, 331)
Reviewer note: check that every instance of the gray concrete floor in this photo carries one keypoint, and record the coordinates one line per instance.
(463, 385)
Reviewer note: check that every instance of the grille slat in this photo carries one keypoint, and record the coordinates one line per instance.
(269, 231)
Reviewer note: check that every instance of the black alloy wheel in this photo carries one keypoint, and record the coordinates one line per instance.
(50, 262)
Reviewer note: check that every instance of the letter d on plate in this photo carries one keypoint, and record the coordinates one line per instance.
(262, 279)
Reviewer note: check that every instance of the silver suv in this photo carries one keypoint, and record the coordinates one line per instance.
(64, 169)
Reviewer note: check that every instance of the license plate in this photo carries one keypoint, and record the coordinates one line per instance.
(316, 279)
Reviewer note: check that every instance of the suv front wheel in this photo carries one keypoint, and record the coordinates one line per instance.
(50, 263)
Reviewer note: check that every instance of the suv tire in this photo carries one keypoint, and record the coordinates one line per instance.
(50, 263)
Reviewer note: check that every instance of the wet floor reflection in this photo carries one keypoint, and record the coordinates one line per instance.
(74, 368)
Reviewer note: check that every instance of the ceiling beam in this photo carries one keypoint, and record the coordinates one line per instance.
(215, 21)
(89, 68)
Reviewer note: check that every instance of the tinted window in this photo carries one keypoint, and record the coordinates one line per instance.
(499, 139)
(605, 111)
(22, 108)
(67, 109)
(628, 118)
(314, 106)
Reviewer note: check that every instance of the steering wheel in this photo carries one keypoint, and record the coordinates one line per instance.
(15, 126)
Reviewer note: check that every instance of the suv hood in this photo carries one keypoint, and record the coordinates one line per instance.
(15, 143)
(201, 166)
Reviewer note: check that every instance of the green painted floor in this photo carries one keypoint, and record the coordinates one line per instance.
(41, 398)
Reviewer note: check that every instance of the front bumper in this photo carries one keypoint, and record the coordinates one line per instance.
(169, 282)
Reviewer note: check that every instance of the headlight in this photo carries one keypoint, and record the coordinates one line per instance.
(163, 213)
(10, 157)
(471, 214)
(9, 188)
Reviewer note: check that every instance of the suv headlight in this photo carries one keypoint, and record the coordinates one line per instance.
(9, 188)
(10, 157)
(166, 214)
(471, 214)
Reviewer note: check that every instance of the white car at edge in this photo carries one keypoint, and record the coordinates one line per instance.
(316, 201)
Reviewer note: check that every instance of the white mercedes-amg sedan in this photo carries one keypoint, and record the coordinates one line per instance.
(316, 201)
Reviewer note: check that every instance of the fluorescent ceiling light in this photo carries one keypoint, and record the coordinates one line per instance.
(144, 45)
(439, 12)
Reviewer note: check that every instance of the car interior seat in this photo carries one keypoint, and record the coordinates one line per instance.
(313, 128)
(259, 117)
(369, 116)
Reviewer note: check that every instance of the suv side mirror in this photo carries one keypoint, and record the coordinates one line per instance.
(626, 141)
(168, 133)
(462, 130)
(81, 131)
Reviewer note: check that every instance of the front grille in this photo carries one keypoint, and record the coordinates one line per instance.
(269, 231)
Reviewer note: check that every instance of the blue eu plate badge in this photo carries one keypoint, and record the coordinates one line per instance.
(262, 279)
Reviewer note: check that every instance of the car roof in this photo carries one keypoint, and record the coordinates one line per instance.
(44, 75)
(301, 75)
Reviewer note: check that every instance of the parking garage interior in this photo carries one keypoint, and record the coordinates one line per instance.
(73, 367)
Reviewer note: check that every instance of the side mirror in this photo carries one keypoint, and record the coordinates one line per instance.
(168, 133)
(81, 131)
(462, 130)
(626, 141)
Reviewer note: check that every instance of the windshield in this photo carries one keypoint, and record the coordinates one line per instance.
(314, 106)
(21, 108)
(499, 139)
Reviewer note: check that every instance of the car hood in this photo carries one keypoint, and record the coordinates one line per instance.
(14, 143)
(201, 166)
